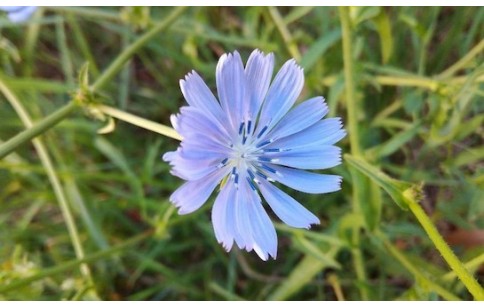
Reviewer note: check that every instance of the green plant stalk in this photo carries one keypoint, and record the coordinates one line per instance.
(286, 35)
(354, 143)
(471, 284)
(54, 180)
(141, 122)
(463, 61)
(74, 263)
(107, 75)
(471, 265)
(128, 52)
(87, 12)
(36, 129)
(415, 272)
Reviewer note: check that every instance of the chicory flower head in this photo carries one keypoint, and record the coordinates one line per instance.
(253, 138)
(18, 14)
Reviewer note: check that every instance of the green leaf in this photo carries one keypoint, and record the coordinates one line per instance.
(301, 275)
(384, 29)
(319, 48)
(307, 247)
(396, 142)
(399, 191)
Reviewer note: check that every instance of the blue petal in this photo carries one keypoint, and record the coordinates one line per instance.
(243, 218)
(18, 14)
(308, 182)
(193, 194)
(301, 117)
(223, 218)
(187, 169)
(258, 72)
(327, 132)
(231, 88)
(192, 121)
(202, 148)
(10, 8)
(286, 208)
(198, 95)
(282, 94)
(262, 228)
(310, 157)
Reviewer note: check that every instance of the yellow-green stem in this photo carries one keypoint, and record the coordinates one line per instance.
(355, 146)
(286, 35)
(141, 122)
(463, 61)
(471, 284)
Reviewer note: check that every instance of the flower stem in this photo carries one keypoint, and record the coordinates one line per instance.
(35, 130)
(471, 284)
(141, 122)
(355, 147)
(127, 53)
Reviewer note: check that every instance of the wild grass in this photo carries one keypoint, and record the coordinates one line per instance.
(86, 215)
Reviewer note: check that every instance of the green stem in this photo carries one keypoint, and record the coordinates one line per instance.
(107, 75)
(141, 122)
(74, 263)
(471, 265)
(35, 130)
(87, 12)
(54, 180)
(286, 35)
(463, 62)
(349, 85)
(355, 147)
(127, 53)
(471, 284)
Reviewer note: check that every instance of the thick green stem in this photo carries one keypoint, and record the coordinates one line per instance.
(141, 122)
(37, 129)
(127, 53)
(471, 284)
(355, 147)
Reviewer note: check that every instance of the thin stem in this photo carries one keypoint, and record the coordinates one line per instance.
(106, 76)
(54, 180)
(141, 122)
(355, 146)
(88, 12)
(471, 284)
(286, 35)
(72, 264)
(407, 82)
(36, 129)
(463, 61)
(349, 85)
(334, 282)
(127, 53)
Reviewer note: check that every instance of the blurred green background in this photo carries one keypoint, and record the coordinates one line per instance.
(419, 82)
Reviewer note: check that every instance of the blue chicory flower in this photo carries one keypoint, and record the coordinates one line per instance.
(18, 14)
(248, 141)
